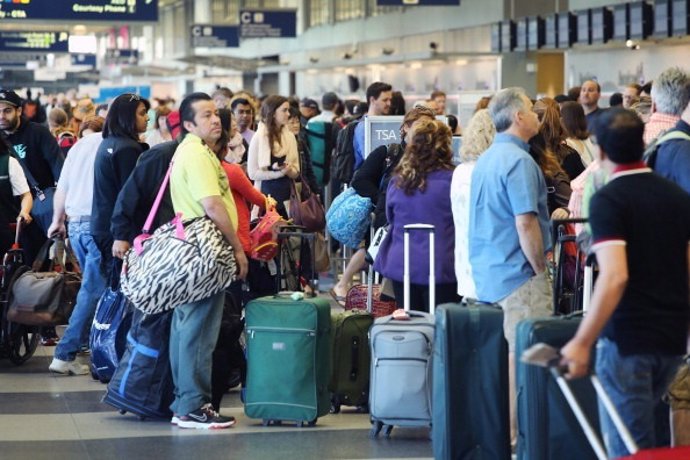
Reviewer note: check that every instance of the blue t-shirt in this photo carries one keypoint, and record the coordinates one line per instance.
(506, 182)
(358, 143)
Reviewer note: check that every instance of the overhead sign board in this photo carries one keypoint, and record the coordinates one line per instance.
(417, 2)
(21, 41)
(268, 23)
(121, 56)
(210, 36)
(107, 94)
(83, 59)
(80, 10)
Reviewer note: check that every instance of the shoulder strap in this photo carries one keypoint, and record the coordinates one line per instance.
(652, 151)
(157, 202)
(29, 177)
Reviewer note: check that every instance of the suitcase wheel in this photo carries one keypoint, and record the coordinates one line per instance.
(142, 418)
(271, 422)
(94, 375)
(387, 431)
(313, 422)
(335, 405)
(122, 411)
(375, 429)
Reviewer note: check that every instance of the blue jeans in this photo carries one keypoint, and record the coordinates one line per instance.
(93, 284)
(193, 335)
(635, 384)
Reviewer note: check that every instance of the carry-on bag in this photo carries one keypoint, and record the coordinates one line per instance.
(108, 336)
(288, 359)
(546, 356)
(142, 383)
(471, 415)
(349, 384)
(46, 293)
(547, 428)
(401, 352)
(368, 297)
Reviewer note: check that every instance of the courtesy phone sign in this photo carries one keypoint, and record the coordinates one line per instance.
(80, 10)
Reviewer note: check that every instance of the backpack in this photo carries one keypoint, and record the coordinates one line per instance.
(66, 140)
(343, 161)
(652, 150)
(263, 239)
(320, 146)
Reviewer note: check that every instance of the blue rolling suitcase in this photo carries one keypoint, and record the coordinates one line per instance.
(547, 428)
(401, 353)
(470, 384)
(142, 383)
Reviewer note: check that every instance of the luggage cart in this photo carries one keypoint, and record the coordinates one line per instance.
(18, 342)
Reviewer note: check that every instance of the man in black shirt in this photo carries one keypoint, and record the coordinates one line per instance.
(41, 159)
(639, 309)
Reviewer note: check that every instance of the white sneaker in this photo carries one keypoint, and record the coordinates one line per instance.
(68, 367)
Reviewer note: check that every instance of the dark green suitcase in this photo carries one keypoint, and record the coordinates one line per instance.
(470, 384)
(351, 360)
(288, 359)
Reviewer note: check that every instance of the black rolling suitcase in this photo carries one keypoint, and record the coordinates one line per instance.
(142, 383)
(547, 428)
(470, 384)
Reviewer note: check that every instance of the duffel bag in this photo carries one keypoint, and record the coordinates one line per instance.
(45, 294)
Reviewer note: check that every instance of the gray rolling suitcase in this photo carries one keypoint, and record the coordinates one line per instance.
(401, 351)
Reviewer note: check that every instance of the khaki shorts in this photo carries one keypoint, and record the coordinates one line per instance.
(531, 300)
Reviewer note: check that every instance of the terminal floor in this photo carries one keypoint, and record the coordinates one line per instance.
(47, 416)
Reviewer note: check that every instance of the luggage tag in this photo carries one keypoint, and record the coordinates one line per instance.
(541, 354)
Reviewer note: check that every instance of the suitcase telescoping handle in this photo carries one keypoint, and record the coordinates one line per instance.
(544, 355)
(594, 441)
(406, 262)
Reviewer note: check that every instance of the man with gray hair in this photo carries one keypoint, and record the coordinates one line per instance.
(669, 99)
(509, 222)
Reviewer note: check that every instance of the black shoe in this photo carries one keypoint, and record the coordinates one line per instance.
(205, 418)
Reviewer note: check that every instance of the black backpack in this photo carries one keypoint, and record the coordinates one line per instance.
(343, 161)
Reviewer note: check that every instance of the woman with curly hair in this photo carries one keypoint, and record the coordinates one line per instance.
(419, 192)
(479, 134)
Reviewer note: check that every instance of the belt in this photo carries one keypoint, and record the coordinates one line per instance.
(79, 219)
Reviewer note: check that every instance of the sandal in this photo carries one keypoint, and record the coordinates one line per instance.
(338, 298)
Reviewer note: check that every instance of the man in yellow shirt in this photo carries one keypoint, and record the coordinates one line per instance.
(199, 187)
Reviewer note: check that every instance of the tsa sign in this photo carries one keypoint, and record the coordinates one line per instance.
(417, 2)
(209, 36)
(268, 23)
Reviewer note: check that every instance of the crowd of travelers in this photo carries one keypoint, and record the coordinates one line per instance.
(522, 163)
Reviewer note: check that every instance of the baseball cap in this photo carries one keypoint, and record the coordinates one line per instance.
(311, 103)
(329, 99)
(10, 97)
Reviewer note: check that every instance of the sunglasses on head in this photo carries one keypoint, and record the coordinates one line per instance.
(134, 97)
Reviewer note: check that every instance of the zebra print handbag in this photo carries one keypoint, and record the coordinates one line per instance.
(181, 262)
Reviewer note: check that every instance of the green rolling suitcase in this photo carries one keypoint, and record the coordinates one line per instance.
(351, 360)
(288, 359)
